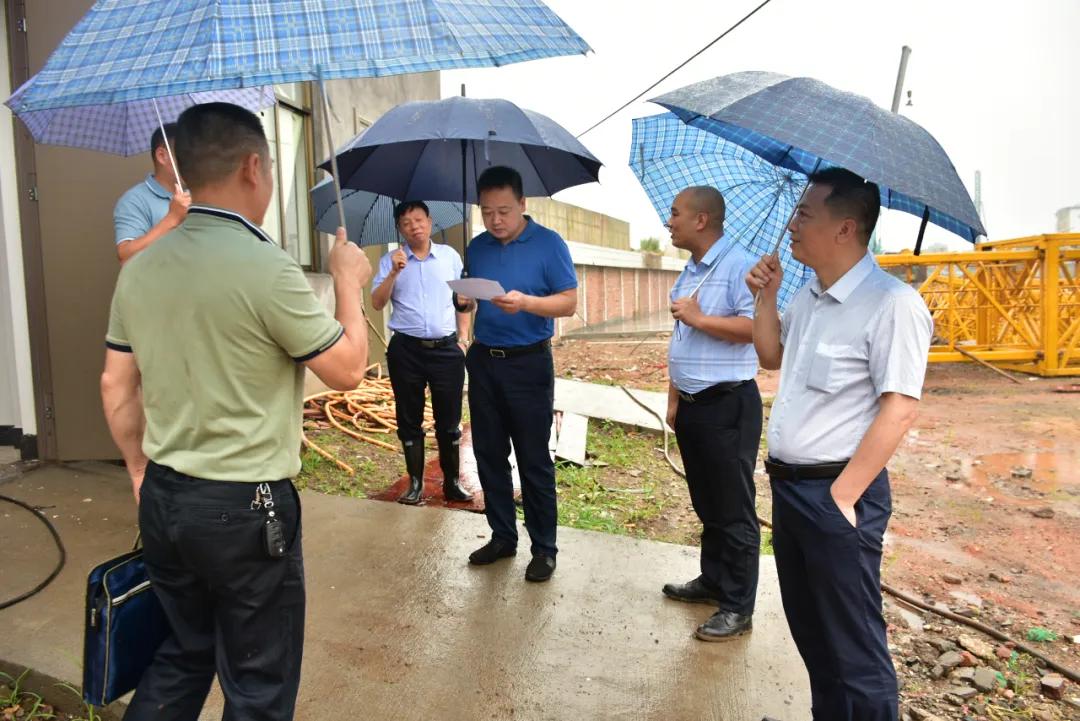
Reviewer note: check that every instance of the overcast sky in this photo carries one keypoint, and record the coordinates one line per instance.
(997, 83)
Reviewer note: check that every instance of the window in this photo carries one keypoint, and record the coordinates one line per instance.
(288, 130)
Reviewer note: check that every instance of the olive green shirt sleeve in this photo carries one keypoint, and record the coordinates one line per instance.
(116, 336)
(295, 318)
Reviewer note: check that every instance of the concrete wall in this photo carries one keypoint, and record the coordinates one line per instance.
(16, 384)
(616, 286)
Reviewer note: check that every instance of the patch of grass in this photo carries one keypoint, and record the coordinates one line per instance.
(29, 705)
(766, 543)
(376, 468)
(91, 714)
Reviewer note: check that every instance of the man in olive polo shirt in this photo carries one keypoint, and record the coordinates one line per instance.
(210, 332)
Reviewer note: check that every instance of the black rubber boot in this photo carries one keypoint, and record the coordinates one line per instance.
(414, 466)
(450, 463)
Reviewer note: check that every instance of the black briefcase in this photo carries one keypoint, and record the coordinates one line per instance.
(125, 625)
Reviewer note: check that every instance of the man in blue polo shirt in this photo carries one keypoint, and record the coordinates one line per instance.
(154, 206)
(511, 374)
(427, 348)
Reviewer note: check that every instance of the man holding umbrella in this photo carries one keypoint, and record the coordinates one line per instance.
(852, 349)
(715, 408)
(155, 206)
(427, 348)
(511, 374)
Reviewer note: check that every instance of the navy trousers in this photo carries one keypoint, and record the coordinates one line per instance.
(512, 399)
(830, 583)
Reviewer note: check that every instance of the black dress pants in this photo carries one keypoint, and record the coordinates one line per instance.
(233, 609)
(718, 439)
(412, 368)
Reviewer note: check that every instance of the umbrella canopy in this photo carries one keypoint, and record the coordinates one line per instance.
(124, 128)
(135, 49)
(803, 124)
(436, 150)
(667, 155)
(371, 216)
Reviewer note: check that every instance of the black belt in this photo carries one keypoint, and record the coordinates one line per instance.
(793, 472)
(513, 350)
(429, 342)
(711, 392)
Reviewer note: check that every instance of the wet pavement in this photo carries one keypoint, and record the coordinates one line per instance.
(400, 627)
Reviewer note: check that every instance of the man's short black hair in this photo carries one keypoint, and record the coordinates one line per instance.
(402, 208)
(500, 176)
(852, 197)
(212, 139)
(158, 138)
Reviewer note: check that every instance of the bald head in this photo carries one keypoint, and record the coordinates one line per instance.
(708, 200)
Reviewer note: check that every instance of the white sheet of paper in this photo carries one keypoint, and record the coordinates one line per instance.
(476, 288)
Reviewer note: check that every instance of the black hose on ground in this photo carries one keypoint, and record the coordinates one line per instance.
(59, 545)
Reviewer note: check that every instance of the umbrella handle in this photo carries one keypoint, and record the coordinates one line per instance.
(168, 148)
(333, 149)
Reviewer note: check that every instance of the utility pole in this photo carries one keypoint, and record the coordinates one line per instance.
(905, 52)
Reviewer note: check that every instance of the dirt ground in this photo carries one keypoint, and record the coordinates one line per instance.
(986, 520)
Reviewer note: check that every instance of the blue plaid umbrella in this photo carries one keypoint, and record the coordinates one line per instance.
(803, 124)
(136, 49)
(124, 128)
(667, 155)
(371, 216)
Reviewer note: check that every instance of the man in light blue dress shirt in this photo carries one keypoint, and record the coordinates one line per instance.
(427, 348)
(153, 207)
(852, 350)
(715, 408)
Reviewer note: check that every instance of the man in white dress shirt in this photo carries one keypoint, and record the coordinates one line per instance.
(852, 348)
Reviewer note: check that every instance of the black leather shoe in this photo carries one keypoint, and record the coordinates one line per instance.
(540, 568)
(691, 592)
(724, 626)
(414, 466)
(450, 463)
(491, 552)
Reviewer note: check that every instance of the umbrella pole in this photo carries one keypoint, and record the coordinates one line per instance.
(333, 148)
(168, 148)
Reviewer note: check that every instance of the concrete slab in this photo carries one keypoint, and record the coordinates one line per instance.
(596, 400)
(573, 436)
(400, 627)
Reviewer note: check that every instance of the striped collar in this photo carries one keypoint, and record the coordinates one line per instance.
(233, 216)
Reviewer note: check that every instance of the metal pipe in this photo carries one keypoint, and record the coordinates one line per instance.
(905, 52)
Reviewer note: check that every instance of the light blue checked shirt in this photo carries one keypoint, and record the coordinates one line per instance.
(696, 360)
(421, 302)
(140, 209)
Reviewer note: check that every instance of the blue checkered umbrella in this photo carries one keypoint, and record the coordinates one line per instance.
(667, 155)
(135, 49)
(803, 124)
(371, 216)
(124, 128)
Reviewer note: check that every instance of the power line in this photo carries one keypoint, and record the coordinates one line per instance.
(677, 69)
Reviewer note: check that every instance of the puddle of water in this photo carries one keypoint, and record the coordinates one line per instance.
(1052, 471)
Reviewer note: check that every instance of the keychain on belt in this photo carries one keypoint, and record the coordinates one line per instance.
(273, 533)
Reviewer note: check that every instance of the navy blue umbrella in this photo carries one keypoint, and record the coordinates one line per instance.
(370, 217)
(437, 149)
(805, 125)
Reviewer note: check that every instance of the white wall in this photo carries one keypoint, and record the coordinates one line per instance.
(16, 382)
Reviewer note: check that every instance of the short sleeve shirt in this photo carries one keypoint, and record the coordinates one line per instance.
(867, 335)
(220, 320)
(537, 263)
(140, 209)
(421, 302)
(697, 360)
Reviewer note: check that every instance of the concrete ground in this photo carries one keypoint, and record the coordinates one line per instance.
(400, 627)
